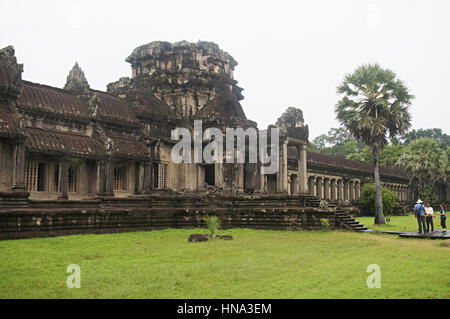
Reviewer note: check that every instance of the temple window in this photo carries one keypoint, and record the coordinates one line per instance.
(73, 179)
(159, 175)
(120, 178)
(34, 176)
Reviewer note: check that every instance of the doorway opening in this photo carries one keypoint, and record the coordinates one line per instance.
(210, 178)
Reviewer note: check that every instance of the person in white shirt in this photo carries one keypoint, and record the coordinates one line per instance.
(429, 217)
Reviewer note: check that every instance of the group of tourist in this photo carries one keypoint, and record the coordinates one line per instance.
(425, 217)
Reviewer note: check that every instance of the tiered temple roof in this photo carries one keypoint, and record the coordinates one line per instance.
(46, 100)
(324, 160)
(63, 144)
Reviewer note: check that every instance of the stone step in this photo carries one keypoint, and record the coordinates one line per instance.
(344, 217)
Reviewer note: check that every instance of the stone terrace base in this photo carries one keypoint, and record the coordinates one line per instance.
(55, 218)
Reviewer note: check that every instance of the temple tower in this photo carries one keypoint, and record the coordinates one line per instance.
(192, 78)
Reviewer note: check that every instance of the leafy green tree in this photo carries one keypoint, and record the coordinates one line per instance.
(367, 199)
(334, 137)
(362, 155)
(339, 135)
(320, 142)
(337, 142)
(373, 108)
(426, 163)
(436, 133)
(388, 156)
(391, 153)
(447, 169)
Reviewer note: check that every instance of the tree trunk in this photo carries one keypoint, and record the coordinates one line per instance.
(379, 217)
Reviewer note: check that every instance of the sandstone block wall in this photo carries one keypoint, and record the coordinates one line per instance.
(124, 215)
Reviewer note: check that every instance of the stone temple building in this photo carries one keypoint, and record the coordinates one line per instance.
(77, 144)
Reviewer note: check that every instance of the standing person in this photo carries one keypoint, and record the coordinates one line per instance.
(429, 217)
(443, 217)
(420, 215)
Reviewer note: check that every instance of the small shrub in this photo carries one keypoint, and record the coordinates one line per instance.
(325, 223)
(212, 223)
(367, 200)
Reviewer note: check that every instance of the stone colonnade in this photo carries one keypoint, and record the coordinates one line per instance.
(334, 188)
(402, 191)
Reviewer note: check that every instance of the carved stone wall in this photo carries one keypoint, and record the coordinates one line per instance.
(122, 215)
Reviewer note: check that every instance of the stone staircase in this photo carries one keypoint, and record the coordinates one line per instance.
(307, 200)
(344, 220)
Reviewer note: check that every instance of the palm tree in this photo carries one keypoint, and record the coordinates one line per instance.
(373, 108)
(426, 164)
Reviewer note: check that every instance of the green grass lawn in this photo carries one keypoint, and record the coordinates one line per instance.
(256, 264)
(401, 223)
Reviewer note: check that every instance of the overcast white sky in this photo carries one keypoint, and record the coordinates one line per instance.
(290, 53)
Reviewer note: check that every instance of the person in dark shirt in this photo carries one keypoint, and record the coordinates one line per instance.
(443, 217)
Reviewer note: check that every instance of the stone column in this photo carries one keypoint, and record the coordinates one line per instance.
(319, 187)
(351, 190)
(340, 190)
(333, 190)
(261, 179)
(239, 178)
(285, 168)
(109, 170)
(312, 185)
(147, 188)
(219, 175)
(19, 166)
(137, 172)
(63, 182)
(101, 178)
(357, 190)
(346, 189)
(282, 182)
(326, 188)
(302, 170)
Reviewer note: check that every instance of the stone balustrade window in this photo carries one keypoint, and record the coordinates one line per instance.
(35, 176)
(159, 175)
(120, 172)
(73, 179)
